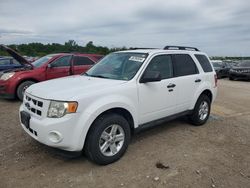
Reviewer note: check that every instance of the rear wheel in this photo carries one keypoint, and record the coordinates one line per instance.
(201, 111)
(231, 78)
(108, 139)
(21, 89)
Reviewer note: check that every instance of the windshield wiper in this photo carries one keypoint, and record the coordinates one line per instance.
(98, 76)
(86, 74)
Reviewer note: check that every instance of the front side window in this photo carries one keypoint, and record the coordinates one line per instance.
(78, 60)
(162, 64)
(118, 66)
(184, 65)
(204, 62)
(62, 62)
(4, 61)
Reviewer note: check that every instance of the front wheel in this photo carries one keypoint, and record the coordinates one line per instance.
(108, 139)
(201, 111)
(21, 89)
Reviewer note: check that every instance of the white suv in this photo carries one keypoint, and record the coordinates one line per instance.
(126, 91)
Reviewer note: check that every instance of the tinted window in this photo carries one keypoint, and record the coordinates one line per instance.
(184, 65)
(245, 64)
(15, 62)
(4, 61)
(204, 62)
(78, 60)
(62, 62)
(162, 64)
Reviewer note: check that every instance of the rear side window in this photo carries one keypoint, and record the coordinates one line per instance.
(184, 65)
(78, 60)
(204, 62)
(162, 64)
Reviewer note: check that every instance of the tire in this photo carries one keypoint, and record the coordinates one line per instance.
(231, 78)
(201, 111)
(95, 139)
(21, 88)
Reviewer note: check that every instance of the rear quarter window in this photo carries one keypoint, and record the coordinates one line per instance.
(204, 62)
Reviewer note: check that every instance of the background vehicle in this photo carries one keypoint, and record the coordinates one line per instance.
(14, 82)
(221, 68)
(241, 71)
(9, 63)
(125, 92)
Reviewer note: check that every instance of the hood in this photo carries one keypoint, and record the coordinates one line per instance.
(16, 56)
(67, 88)
(240, 68)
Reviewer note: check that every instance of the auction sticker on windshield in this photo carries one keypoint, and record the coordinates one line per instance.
(135, 58)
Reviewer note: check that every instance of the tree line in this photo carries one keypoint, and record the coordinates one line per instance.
(39, 49)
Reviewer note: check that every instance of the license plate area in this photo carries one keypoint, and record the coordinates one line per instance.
(25, 119)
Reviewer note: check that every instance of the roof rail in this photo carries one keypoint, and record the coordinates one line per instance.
(180, 48)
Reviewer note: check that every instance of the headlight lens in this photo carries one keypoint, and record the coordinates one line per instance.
(7, 76)
(58, 109)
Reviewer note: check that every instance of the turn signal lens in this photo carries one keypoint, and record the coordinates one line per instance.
(72, 107)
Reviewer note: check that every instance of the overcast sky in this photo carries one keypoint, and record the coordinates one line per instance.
(218, 27)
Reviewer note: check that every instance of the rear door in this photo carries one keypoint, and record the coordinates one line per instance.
(187, 80)
(156, 99)
(81, 64)
(59, 68)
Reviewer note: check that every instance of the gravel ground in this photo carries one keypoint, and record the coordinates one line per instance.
(173, 154)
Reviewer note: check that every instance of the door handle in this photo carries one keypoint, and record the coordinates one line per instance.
(197, 80)
(171, 85)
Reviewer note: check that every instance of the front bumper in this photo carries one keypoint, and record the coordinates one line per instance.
(5, 91)
(55, 132)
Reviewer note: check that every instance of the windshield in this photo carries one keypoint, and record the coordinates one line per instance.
(244, 64)
(41, 61)
(118, 66)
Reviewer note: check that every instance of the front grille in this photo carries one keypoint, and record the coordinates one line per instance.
(33, 105)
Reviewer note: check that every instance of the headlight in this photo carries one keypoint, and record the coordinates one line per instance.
(58, 109)
(7, 76)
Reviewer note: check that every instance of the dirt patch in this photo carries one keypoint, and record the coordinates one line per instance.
(213, 155)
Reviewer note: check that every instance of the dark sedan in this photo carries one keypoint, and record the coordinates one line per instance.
(7, 63)
(221, 69)
(241, 71)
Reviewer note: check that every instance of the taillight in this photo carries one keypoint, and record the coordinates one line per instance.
(215, 80)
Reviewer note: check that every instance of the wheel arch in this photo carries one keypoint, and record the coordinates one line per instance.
(204, 91)
(117, 110)
(22, 81)
(208, 93)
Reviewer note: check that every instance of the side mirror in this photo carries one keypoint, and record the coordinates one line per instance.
(50, 66)
(150, 76)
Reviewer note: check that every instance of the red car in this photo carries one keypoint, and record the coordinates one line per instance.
(14, 82)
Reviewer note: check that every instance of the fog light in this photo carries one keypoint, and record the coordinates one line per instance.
(55, 137)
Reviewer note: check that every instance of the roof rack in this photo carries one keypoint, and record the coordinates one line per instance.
(142, 48)
(180, 48)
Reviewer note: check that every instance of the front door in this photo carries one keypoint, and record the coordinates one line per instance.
(59, 68)
(157, 99)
